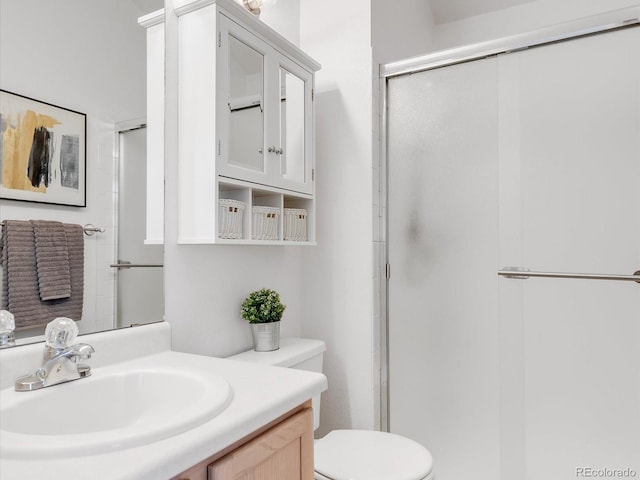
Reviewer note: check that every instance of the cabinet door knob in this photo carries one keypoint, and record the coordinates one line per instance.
(272, 149)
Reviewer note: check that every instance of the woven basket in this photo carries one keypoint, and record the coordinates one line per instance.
(265, 223)
(295, 224)
(230, 218)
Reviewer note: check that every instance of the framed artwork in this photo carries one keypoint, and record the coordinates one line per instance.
(42, 152)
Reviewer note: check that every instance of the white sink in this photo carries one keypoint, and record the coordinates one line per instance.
(117, 407)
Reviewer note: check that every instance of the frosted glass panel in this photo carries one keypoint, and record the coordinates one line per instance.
(443, 297)
(527, 159)
(578, 107)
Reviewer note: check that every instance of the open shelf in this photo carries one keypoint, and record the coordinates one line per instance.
(268, 222)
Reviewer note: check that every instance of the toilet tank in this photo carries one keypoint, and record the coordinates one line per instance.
(299, 353)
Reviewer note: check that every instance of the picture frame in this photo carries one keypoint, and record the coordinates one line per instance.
(42, 152)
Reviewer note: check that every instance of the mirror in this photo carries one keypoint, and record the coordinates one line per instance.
(246, 106)
(292, 126)
(88, 57)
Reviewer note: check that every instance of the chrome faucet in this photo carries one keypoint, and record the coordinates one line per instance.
(59, 363)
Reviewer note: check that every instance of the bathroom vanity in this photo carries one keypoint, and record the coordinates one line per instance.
(280, 450)
(260, 422)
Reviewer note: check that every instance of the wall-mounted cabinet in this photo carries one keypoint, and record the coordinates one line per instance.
(245, 127)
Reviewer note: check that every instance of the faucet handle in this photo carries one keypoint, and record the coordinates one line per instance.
(60, 333)
(7, 326)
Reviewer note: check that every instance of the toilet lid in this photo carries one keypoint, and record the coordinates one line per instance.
(368, 455)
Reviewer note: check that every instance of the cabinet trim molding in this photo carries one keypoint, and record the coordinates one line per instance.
(183, 7)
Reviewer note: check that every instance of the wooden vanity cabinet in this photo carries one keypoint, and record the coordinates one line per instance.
(282, 450)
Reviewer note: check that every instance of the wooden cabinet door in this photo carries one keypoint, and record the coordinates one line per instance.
(284, 452)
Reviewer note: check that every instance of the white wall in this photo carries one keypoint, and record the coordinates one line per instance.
(327, 288)
(400, 29)
(284, 18)
(338, 273)
(89, 57)
(520, 19)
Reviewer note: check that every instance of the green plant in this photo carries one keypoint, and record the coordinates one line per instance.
(262, 306)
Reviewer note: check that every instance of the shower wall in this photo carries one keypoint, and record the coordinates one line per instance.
(527, 159)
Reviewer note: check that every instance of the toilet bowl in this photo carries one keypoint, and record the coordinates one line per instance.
(348, 454)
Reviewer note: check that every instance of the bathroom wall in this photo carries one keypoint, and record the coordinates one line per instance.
(338, 273)
(328, 288)
(284, 17)
(400, 29)
(519, 19)
(93, 62)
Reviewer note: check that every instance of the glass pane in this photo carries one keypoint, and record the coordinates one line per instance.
(140, 297)
(578, 110)
(292, 126)
(246, 127)
(443, 309)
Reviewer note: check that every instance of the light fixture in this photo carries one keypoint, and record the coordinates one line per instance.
(253, 6)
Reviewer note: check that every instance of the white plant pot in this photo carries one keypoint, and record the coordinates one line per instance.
(266, 336)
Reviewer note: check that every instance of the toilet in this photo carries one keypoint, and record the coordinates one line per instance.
(348, 454)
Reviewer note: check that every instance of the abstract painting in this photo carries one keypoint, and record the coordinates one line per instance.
(42, 152)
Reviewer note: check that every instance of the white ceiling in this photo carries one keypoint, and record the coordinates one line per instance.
(445, 11)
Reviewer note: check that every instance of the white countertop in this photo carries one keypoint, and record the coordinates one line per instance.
(260, 394)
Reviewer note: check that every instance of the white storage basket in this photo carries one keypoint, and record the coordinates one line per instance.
(265, 223)
(295, 224)
(230, 214)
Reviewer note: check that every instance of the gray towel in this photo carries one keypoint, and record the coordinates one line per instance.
(52, 260)
(20, 291)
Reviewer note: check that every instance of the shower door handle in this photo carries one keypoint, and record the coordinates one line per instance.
(524, 273)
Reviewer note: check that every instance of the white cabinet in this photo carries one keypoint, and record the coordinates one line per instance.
(245, 124)
(154, 24)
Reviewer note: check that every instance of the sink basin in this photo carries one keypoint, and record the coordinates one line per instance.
(113, 409)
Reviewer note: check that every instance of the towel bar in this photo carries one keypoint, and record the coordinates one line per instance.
(125, 264)
(89, 229)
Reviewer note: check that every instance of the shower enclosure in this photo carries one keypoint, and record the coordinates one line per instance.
(527, 159)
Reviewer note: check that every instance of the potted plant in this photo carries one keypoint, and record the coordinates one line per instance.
(263, 310)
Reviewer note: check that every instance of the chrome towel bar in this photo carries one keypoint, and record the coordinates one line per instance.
(523, 273)
(125, 264)
(89, 229)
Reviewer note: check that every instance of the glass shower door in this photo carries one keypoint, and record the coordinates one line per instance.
(570, 162)
(139, 287)
(443, 292)
(532, 160)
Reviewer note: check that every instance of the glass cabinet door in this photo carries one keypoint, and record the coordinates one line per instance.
(242, 109)
(265, 113)
(294, 127)
(291, 126)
